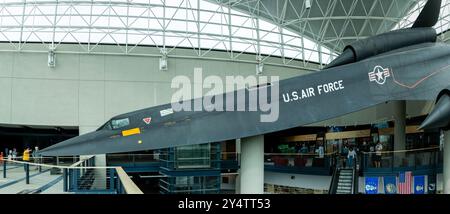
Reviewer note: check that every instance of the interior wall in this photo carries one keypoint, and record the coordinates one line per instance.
(87, 90)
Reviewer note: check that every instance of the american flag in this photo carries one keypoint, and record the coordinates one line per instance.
(404, 183)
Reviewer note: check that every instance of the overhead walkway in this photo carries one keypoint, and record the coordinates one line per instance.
(80, 177)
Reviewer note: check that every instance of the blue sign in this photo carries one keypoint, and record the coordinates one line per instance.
(371, 185)
(419, 184)
(390, 185)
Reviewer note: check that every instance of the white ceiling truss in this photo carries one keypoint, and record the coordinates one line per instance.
(265, 28)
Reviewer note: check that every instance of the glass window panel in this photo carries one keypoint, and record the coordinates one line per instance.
(195, 156)
(37, 21)
(290, 33)
(157, 12)
(206, 42)
(81, 9)
(82, 37)
(96, 9)
(192, 27)
(76, 21)
(193, 41)
(191, 15)
(64, 37)
(120, 123)
(292, 53)
(243, 32)
(138, 11)
(176, 25)
(174, 3)
(119, 37)
(294, 41)
(242, 21)
(204, 5)
(11, 36)
(45, 36)
(310, 44)
(13, 1)
(146, 40)
(211, 17)
(268, 49)
(15, 10)
(192, 3)
(214, 29)
(263, 25)
(243, 47)
(155, 2)
(119, 11)
(9, 21)
(30, 37)
(326, 58)
(312, 56)
(272, 37)
(173, 40)
(180, 14)
(96, 36)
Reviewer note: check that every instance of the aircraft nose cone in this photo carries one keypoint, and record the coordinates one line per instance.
(76, 141)
(440, 116)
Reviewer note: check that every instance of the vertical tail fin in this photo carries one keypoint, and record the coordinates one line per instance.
(429, 15)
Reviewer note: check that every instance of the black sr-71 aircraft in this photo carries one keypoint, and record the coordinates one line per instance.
(405, 64)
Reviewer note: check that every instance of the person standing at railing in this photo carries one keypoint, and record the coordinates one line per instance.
(321, 151)
(304, 149)
(10, 155)
(26, 157)
(14, 154)
(351, 156)
(35, 156)
(378, 154)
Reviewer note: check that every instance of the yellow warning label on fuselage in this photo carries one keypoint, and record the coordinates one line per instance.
(130, 132)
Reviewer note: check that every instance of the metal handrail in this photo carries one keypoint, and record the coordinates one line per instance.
(354, 175)
(128, 185)
(333, 181)
(125, 182)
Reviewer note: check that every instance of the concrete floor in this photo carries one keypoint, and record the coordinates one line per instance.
(15, 183)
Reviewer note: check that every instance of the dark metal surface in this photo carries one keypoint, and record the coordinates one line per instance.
(383, 43)
(439, 117)
(410, 72)
(428, 17)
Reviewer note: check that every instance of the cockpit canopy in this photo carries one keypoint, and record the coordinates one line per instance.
(115, 124)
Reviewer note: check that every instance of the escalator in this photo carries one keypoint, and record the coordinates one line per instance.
(344, 181)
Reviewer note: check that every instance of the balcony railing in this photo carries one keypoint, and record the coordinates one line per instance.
(300, 163)
(427, 159)
(79, 177)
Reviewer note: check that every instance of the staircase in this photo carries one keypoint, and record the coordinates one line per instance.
(345, 182)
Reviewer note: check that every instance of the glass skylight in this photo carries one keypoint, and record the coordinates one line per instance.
(169, 24)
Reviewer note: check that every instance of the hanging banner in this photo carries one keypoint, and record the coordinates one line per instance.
(432, 184)
(371, 185)
(390, 185)
(419, 184)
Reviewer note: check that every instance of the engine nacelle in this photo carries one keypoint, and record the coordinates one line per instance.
(383, 43)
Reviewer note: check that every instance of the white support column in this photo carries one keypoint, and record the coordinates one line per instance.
(399, 113)
(446, 173)
(252, 165)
